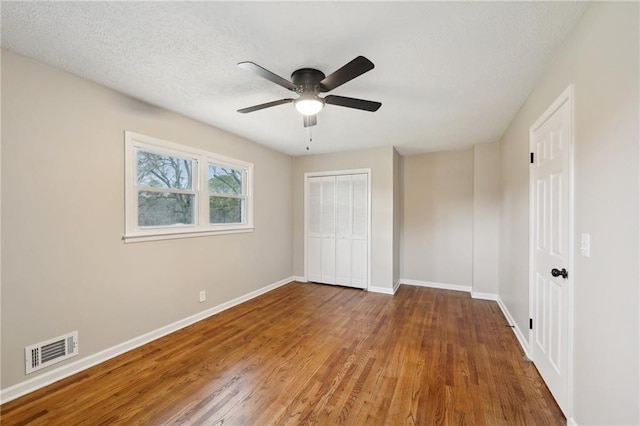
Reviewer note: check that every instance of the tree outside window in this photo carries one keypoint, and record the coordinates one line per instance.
(165, 190)
(226, 194)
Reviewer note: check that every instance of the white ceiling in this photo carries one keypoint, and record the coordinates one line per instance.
(448, 74)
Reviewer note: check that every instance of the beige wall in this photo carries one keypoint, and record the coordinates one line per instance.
(600, 57)
(437, 219)
(64, 265)
(486, 214)
(380, 161)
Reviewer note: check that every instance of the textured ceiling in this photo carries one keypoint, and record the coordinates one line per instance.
(448, 74)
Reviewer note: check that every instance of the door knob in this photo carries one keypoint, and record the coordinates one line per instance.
(560, 273)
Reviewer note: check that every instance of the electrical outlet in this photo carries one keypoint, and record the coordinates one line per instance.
(203, 296)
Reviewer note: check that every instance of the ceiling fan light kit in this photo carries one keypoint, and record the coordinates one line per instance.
(308, 82)
(308, 105)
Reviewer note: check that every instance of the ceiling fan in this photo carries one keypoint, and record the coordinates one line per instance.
(309, 82)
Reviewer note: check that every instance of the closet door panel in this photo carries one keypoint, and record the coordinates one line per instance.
(314, 229)
(343, 229)
(328, 230)
(343, 261)
(360, 206)
(360, 220)
(359, 263)
(314, 207)
(314, 259)
(328, 207)
(344, 207)
(328, 261)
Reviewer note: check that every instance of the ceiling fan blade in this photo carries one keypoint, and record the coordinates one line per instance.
(264, 73)
(353, 69)
(352, 103)
(263, 106)
(309, 120)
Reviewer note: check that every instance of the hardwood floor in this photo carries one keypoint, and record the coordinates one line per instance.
(314, 354)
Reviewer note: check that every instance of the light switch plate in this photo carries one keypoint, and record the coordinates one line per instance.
(585, 245)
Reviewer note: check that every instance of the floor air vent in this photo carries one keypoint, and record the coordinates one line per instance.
(51, 352)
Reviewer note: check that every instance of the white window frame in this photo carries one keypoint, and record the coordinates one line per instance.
(200, 170)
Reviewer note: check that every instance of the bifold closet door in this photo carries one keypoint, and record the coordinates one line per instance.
(337, 225)
(351, 230)
(321, 234)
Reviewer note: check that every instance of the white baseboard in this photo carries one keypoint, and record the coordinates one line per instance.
(383, 290)
(442, 286)
(396, 286)
(67, 370)
(299, 279)
(516, 329)
(571, 422)
(484, 296)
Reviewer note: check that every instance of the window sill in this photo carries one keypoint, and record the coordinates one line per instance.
(139, 238)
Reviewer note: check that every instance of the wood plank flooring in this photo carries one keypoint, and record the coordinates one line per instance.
(314, 354)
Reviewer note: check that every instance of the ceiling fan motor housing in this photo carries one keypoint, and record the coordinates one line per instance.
(307, 79)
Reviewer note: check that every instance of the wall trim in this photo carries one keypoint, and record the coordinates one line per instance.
(396, 286)
(299, 279)
(442, 286)
(383, 290)
(484, 296)
(515, 328)
(571, 422)
(38, 382)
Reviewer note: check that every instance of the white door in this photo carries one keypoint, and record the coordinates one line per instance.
(337, 229)
(551, 283)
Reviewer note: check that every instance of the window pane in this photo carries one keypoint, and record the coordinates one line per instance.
(225, 180)
(162, 171)
(164, 209)
(225, 210)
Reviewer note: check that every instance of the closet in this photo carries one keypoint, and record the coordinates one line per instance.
(337, 218)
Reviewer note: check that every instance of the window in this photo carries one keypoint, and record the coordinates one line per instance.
(226, 194)
(174, 191)
(165, 189)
